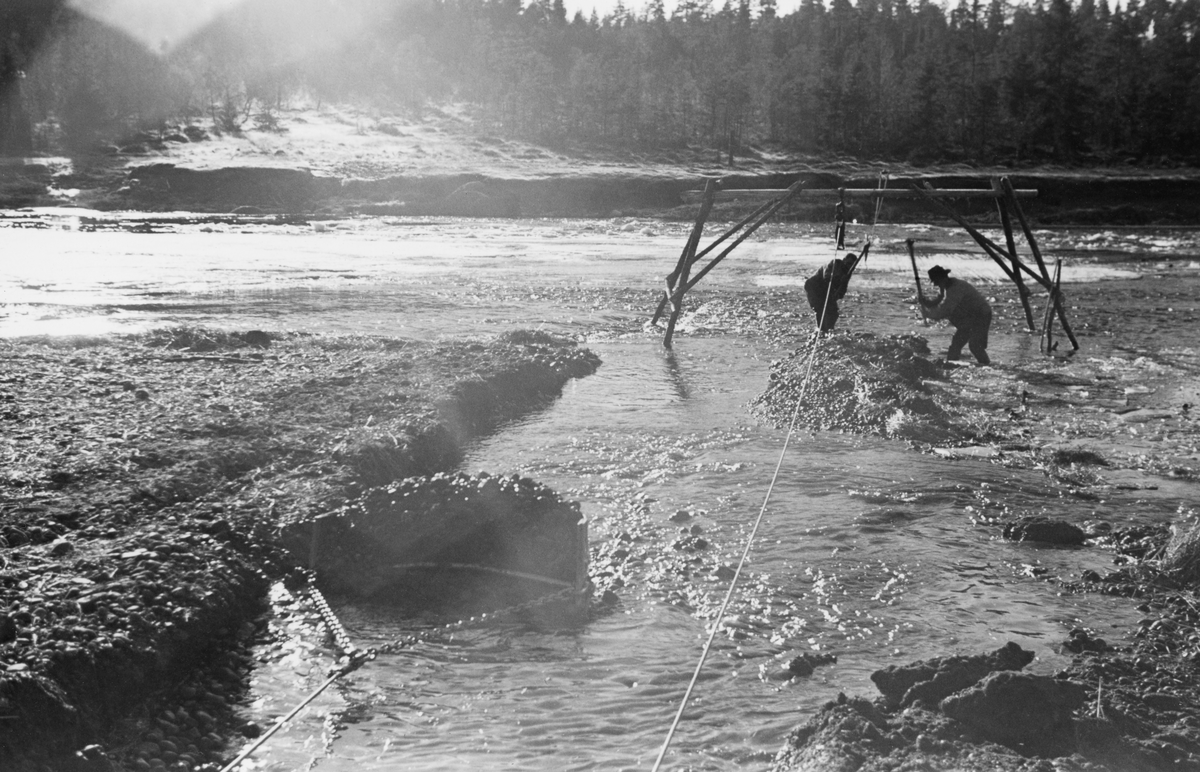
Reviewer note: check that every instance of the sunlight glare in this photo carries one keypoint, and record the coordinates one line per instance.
(159, 25)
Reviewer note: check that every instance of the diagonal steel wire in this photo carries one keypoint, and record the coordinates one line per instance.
(749, 540)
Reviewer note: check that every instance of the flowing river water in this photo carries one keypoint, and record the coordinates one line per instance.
(868, 550)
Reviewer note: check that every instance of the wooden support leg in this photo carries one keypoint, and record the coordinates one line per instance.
(685, 260)
(1034, 249)
(1006, 221)
(1048, 314)
(1011, 197)
(674, 275)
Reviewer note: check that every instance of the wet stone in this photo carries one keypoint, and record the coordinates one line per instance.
(1081, 640)
(1020, 710)
(1041, 529)
(934, 679)
(8, 629)
(804, 664)
(1162, 701)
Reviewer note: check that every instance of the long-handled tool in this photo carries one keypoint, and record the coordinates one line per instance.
(912, 256)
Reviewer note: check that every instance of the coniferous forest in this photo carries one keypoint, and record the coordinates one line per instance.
(1068, 81)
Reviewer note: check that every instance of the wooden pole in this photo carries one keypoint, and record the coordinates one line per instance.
(760, 194)
(1055, 294)
(680, 266)
(685, 260)
(1048, 314)
(1006, 221)
(912, 255)
(1034, 249)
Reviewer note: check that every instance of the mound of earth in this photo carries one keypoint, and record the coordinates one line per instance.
(862, 383)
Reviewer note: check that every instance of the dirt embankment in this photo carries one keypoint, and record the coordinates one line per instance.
(143, 485)
(1094, 198)
(331, 163)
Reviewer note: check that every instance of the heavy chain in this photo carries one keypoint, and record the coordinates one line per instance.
(350, 657)
(341, 639)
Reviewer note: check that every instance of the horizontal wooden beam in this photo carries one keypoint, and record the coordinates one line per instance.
(832, 194)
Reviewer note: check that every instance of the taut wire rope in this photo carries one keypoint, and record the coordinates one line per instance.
(352, 664)
(716, 625)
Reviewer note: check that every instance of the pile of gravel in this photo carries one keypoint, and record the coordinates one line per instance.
(862, 383)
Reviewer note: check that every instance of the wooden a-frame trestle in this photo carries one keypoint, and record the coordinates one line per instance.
(1001, 190)
(678, 281)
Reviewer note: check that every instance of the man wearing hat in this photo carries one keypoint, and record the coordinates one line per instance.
(965, 308)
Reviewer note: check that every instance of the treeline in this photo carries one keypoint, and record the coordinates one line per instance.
(1054, 80)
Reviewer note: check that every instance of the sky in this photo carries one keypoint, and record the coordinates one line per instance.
(158, 24)
(162, 24)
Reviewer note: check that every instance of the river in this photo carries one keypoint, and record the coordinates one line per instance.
(868, 550)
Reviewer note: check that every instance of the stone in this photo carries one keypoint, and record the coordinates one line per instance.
(257, 339)
(8, 629)
(1080, 640)
(1043, 529)
(800, 667)
(1027, 712)
(1162, 701)
(61, 547)
(933, 679)
(804, 664)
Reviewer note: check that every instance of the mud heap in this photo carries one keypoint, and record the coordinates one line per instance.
(861, 383)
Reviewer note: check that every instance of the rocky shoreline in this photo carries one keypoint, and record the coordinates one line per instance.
(146, 481)
(1123, 708)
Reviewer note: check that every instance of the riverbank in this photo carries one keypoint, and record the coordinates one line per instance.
(339, 162)
(145, 481)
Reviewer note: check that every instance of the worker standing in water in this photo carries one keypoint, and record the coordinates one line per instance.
(965, 308)
(827, 286)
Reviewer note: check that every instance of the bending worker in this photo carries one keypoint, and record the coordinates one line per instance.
(965, 308)
(827, 286)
